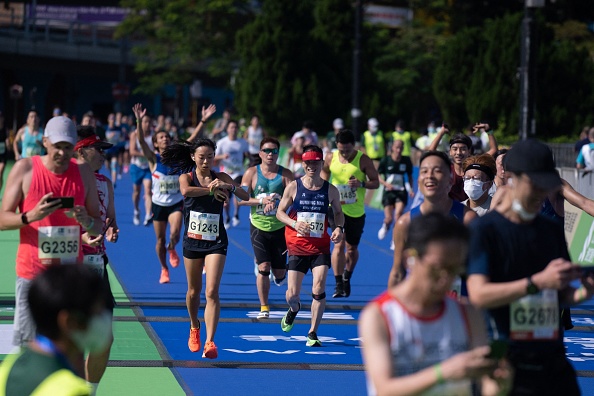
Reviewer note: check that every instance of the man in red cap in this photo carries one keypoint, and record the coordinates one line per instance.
(307, 237)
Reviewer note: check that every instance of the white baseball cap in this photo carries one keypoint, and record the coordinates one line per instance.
(338, 123)
(372, 122)
(61, 129)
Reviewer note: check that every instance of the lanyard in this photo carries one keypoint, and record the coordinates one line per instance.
(48, 346)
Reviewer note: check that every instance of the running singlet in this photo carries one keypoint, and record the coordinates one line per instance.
(54, 239)
(394, 171)
(203, 221)
(264, 188)
(374, 144)
(31, 144)
(417, 343)
(165, 186)
(312, 207)
(457, 191)
(140, 161)
(405, 138)
(93, 255)
(352, 199)
(456, 211)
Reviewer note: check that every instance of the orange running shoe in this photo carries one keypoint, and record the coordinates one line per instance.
(210, 350)
(194, 340)
(173, 258)
(164, 276)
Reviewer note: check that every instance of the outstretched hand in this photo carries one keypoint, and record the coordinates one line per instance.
(139, 112)
(208, 112)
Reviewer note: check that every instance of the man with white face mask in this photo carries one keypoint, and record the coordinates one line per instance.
(479, 172)
(67, 303)
(519, 271)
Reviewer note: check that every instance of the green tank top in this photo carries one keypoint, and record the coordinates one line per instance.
(264, 188)
(352, 200)
(374, 145)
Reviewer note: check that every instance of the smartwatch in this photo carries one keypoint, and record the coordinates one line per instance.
(531, 288)
(341, 228)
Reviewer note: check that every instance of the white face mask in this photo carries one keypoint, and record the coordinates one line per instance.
(520, 211)
(96, 337)
(372, 128)
(474, 189)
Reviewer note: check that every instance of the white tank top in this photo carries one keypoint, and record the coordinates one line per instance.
(417, 343)
(141, 161)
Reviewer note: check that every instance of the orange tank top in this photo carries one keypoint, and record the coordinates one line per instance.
(54, 239)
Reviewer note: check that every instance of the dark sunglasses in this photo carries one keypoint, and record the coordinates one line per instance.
(270, 151)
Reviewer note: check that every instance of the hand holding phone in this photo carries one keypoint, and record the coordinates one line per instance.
(498, 349)
(65, 202)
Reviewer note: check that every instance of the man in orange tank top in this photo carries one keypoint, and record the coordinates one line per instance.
(50, 228)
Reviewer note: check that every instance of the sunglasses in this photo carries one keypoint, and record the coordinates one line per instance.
(270, 151)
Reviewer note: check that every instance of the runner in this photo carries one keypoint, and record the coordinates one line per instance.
(167, 201)
(416, 340)
(479, 172)
(90, 150)
(307, 238)
(434, 183)
(4, 147)
(352, 173)
(265, 183)
(231, 151)
(391, 171)
(30, 137)
(140, 170)
(205, 239)
(520, 273)
(49, 233)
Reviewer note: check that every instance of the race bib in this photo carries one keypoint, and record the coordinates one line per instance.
(535, 317)
(348, 195)
(95, 262)
(203, 226)
(260, 208)
(315, 221)
(396, 180)
(169, 184)
(58, 245)
(2, 147)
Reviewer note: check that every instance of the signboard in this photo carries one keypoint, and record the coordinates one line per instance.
(392, 17)
(61, 14)
(579, 233)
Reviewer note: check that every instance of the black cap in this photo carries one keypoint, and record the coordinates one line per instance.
(534, 159)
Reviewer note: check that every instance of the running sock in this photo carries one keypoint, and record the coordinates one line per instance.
(264, 308)
(338, 279)
(347, 275)
(93, 386)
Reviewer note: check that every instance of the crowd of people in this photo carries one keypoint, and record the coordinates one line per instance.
(481, 279)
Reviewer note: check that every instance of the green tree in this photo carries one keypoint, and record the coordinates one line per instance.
(176, 39)
(295, 63)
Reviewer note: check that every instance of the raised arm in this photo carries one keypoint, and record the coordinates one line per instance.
(435, 143)
(149, 154)
(206, 114)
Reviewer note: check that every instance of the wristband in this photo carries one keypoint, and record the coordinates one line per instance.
(294, 224)
(24, 218)
(362, 184)
(261, 201)
(438, 373)
(211, 192)
(233, 188)
(202, 121)
(91, 224)
(341, 228)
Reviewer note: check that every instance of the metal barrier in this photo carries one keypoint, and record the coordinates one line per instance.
(580, 180)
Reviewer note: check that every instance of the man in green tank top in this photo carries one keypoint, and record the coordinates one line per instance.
(266, 183)
(352, 173)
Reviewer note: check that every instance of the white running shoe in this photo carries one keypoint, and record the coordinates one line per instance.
(235, 222)
(392, 245)
(263, 315)
(279, 283)
(227, 225)
(381, 234)
(136, 219)
(147, 220)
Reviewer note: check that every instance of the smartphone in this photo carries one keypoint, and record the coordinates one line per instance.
(498, 349)
(67, 202)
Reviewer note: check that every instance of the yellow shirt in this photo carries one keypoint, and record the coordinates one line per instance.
(352, 200)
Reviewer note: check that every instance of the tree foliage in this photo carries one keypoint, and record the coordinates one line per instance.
(176, 39)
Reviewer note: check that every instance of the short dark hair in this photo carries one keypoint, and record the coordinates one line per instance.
(499, 152)
(74, 288)
(345, 136)
(445, 158)
(434, 227)
(308, 124)
(461, 138)
(269, 139)
(232, 121)
(84, 131)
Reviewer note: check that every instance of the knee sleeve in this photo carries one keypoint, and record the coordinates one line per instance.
(264, 273)
(319, 297)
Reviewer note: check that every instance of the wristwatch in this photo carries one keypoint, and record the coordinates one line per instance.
(531, 288)
(341, 228)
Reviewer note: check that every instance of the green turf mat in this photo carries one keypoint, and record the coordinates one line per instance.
(8, 246)
(145, 381)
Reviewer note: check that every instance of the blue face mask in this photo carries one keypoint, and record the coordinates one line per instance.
(431, 129)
